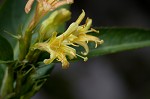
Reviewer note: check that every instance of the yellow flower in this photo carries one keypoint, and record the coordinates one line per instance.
(59, 46)
(81, 37)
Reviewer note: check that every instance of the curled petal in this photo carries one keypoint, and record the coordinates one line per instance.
(72, 28)
(52, 58)
(81, 17)
(64, 61)
(84, 45)
(88, 24)
(28, 6)
(69, 51)
(42, 47)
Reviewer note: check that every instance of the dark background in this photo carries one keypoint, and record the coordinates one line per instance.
(124, 75)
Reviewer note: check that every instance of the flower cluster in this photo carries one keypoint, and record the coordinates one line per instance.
(61, 47)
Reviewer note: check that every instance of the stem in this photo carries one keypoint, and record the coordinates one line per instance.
(25, 44)
(18, 84)
(32, 56)
(25, 41)
(7, 85)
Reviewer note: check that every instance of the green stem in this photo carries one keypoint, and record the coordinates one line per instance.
(7, 85)
(26, 41)
(18, 84)
(24, 44)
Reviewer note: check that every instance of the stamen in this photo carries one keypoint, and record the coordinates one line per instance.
(93, 30)
(96, 44)
(74, 44)
(101, 41)
(84, 58)
(84, 53)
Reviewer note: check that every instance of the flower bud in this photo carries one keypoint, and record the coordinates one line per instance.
(53, 22)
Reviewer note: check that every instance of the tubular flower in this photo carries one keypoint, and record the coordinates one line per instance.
(43, 7)
(53, 22)
(81, 37)
(46, 5)
(28, 6)
(59, 46)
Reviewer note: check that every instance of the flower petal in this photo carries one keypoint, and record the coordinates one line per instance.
(63, 59)
(83, 44)
(28, 6)
(80, 18)
(52, 58)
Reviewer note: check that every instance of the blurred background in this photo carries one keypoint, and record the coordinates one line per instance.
(124, 75)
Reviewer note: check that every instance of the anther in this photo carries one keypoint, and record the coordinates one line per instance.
(84, 58)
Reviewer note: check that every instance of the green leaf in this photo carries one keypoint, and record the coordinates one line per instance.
(12, 16)
(120, 39)
(44, 70)
(6, 53)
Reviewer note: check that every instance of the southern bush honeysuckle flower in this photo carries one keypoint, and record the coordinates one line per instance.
(59, 46)
(43, 7)
(28, 6)
(46, 5)
(81, 37)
